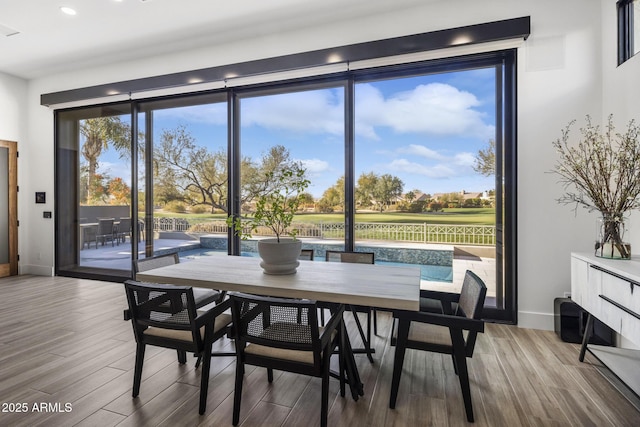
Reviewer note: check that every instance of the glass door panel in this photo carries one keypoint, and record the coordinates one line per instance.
(183, 152)
(304, 128)
(93, 157)
(425, 180)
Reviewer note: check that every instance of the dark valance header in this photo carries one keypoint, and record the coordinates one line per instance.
(453, 37)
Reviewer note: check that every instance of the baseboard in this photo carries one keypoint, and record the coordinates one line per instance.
(37, 270)
(536, 320)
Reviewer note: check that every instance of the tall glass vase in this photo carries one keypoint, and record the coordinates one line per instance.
(610, 237)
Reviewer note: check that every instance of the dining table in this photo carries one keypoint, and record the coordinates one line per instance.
(380, 286)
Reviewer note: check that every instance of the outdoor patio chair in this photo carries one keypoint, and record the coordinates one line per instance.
(89, 235)
(166, 316)
(283, 334)
(124, 229)
(360, 258)
(453, 334)
(106, 231)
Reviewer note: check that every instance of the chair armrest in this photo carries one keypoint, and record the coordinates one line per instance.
(450, 321)
(440, 295)
(208, 315)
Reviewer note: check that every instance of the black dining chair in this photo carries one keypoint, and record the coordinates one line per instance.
(453, 334)
(283, 334)
(166, 316)
(203, 296)
(359, 258)
(306, 255)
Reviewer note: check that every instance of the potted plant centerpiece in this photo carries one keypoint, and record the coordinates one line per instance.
(274, 209)
(602, 172)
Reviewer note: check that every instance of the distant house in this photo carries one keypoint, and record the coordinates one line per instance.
(464, 195)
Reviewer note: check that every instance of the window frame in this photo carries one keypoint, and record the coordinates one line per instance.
(626, 36)
(506, 59)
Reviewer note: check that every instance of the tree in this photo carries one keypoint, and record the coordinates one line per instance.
(333, 196)
(486, 160)
(410, 196)
(330, 198)
(387, 189)
(435, 206)
(119, 191)
(365, 189)
(97, 190)
(200, 175)
(253, 182)
(99, 132)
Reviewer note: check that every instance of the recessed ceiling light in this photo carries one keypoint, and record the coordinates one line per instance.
(67, 10)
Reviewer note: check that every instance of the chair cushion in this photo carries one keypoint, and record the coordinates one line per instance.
(432, 305)
(433, 334)
(428, 333)
(299, 356)
(222, 321)
(204, 296)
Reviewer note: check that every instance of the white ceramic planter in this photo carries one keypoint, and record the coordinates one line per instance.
(279, 258)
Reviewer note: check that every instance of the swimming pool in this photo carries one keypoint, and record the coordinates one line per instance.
(432, 273)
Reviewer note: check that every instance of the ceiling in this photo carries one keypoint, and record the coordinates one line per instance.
(107, 31)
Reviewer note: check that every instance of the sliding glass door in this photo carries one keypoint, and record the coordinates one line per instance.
(182, 176)
(296, 127)
(93, 191)
(414, 162)
(426, 173)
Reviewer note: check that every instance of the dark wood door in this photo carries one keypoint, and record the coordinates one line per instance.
(8, 208)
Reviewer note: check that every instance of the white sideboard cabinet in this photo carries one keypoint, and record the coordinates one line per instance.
(609, 290)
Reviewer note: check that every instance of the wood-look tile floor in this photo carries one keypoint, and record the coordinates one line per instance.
(66, 359)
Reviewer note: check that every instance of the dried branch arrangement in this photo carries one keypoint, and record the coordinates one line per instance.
(601, 172)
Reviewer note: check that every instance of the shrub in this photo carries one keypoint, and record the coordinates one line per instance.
(199, 209)
(175, 207)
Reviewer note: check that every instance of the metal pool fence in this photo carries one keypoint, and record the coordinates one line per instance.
(402, 232)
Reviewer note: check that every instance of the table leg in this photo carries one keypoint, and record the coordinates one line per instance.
(351, 369)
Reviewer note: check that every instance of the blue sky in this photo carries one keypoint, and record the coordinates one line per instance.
(426, 130)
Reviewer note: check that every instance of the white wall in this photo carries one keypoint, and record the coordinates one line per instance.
(620, 88)
(620, 97)
(13, 127)
(559, 79)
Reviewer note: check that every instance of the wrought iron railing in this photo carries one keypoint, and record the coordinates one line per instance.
(401, 232)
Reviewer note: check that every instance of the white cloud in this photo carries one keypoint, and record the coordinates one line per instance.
(465, 159)
(429, 163)
(421, 151)
(436, 171)
(310, 112)
(315, 165)
(434, 108)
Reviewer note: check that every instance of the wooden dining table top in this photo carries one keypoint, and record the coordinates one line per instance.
(383, 286)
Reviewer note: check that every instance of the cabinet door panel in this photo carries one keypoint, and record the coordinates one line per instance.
(579, 278)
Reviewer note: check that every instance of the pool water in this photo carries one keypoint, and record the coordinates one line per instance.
(432, 273)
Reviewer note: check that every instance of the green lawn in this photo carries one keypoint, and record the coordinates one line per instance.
(481, 216)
